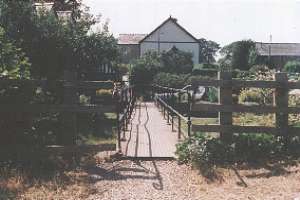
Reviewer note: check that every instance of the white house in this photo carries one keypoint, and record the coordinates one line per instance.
(166, 36)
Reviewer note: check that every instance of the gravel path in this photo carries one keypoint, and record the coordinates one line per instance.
(145, 180)
(141, 180)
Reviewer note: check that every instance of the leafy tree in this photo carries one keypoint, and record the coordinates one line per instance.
(208, 50)
(53, 45)
(13, 62)
(238, 55)
(173, 61)
(145, 68)
(176, 61)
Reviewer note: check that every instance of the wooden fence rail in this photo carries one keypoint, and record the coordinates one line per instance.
(121, 103)
(226, 108)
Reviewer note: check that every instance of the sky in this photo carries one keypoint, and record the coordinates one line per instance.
(223, 21)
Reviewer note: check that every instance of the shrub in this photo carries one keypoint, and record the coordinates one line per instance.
(292, 67)
(201, 150)
(256, 95)
(194, 79)
(212, 94)
(170, 80)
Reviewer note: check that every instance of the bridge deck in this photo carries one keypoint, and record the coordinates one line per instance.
(149, 135)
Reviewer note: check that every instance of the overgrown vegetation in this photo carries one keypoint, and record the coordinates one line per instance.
(38, 45)
(205, 151)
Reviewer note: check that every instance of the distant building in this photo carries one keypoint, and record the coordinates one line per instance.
(130, 46)
(61, 11)
(277, 54)
(167, 35)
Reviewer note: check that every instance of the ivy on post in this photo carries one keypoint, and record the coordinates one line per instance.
(281, 98)
(69, 119)
(225, 98)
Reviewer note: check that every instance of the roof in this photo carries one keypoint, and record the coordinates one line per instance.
(174, 20)
(278, 49)
(130, 38)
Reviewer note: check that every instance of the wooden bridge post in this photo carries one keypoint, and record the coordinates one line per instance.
(281, 98)
(225, 98)
(179, 119)
(69, 119)
(189, 122)
(179, 127)
(117, 103)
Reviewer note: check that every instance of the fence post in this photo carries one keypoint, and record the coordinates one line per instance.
(189, 122)
(225, 98)
(281, 98)
(179, 119)
(179, 127)
(69, 119)
(117, 102)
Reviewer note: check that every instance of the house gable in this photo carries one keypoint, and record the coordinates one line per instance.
(170, 32)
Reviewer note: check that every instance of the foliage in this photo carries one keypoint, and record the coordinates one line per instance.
(194, 79)
(212, 94)
(238, 55)
(292, 67)
(173, 61)
(176, 61)
(53, 45)
(170, 80)
(255, 95)
(201, 150)
(13, 62)
(208, 50)
(145, 68)
(205, 69)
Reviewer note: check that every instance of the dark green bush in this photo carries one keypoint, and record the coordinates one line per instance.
(170, 80)
(212, 94)
(251, 148)
(292, 67)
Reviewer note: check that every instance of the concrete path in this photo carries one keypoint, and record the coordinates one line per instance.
(149, 135)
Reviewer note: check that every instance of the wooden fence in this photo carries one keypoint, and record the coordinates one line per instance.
(121, 103)
(225, 106)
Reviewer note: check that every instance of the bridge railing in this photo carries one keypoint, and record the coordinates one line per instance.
(125, 98)
(225, 107)
(162, 96)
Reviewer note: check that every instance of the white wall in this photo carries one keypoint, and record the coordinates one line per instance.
(168, 36)
(187, 47)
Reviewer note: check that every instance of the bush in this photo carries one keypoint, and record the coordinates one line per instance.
(201, 150)
(212, 94)
(152, 63)
(256, 95)
(170, 80)
(292, 67)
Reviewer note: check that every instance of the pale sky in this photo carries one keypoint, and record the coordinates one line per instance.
(223, 21)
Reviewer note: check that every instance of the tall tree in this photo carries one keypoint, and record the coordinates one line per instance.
(208, 50)
(239, 55)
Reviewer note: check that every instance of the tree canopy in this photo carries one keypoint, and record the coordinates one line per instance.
(238, 55)
(172, 61)
(53, 45)
(208, 50)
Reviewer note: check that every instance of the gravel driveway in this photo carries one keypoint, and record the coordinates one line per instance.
(141, 180)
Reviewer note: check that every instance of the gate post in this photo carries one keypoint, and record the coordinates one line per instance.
(281, 97)
(225, 98)
(69, 119)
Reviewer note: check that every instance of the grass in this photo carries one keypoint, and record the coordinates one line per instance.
(56, 174)
(46, 176)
